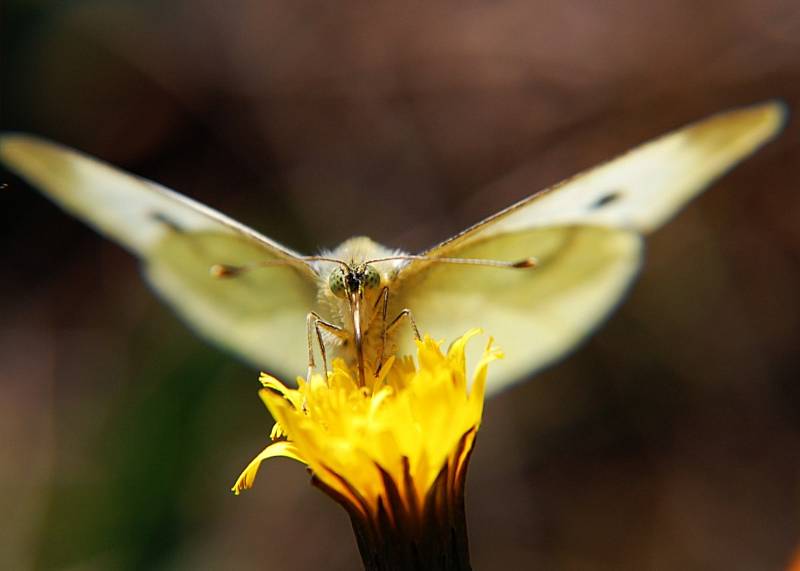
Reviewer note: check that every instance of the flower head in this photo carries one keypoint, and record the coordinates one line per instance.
(393, 452)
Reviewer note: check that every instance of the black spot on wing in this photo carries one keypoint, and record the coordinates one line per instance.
(166, 221)
(606, 199)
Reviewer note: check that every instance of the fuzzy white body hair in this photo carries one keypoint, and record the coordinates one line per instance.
(337, 310)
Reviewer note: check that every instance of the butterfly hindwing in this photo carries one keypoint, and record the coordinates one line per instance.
(259, 314)
(535, 314)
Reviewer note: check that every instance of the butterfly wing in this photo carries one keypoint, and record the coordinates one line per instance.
(259, 315)
(585, 233)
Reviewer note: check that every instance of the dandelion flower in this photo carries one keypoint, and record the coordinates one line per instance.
(393, 453)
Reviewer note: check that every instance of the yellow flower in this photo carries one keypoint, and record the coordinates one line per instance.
(393, 452)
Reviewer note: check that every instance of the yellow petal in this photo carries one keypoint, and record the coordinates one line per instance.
(248, 475)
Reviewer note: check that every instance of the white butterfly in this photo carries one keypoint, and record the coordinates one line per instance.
(585, 235)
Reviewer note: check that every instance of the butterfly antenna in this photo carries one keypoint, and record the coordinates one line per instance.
(530, 262)
(230, 271)
(325, 259)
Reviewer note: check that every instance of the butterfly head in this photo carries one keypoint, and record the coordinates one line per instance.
(349, 281)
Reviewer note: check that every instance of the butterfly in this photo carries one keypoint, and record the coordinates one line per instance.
(539, 275)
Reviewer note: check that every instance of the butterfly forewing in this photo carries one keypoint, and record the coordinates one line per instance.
(643, 188)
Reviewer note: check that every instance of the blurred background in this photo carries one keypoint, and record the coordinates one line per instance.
(671, 440)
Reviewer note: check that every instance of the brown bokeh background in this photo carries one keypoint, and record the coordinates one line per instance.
(671, 440)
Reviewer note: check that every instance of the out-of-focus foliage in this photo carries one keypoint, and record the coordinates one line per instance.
(670, 441)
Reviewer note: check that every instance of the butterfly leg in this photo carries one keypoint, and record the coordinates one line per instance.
(315, 322)
(406, 313)
(383, 301)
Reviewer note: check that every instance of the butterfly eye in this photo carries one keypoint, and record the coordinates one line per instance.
(336, 283)
(372, 278)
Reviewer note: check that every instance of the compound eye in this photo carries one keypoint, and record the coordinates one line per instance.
(372, 278)
(336, 283)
